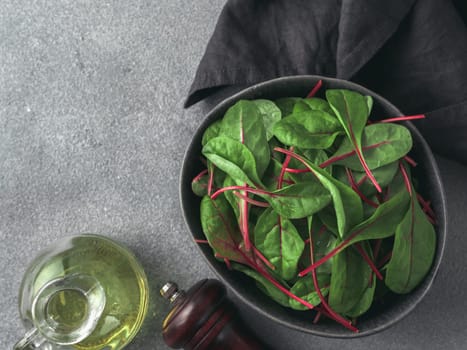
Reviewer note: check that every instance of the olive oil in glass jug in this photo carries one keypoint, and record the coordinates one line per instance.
(83, 292)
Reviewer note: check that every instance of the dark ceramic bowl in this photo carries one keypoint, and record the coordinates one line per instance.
(378, 317)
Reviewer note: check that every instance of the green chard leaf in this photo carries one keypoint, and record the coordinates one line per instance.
(271, 176)
(243, 122)
(264, 285)
(286, 104)
(279, 241)
(299, 200)
(413, 252)
(369, 103)
(270, 113)
(318, 104)
(349, 280)
(304, 288)
(211, 132)
(383, 222)
(230, 196)
(308, 129)
(273, 143)
(368, 295)
(351, 108)
(383, 175)
(382, 143)
(234, 158)
(220, 228)
(199, 185)
(300, 106)
(323, 242)
(347, 204)
(315, 156)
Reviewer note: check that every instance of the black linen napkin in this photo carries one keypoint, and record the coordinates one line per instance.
(414, 53)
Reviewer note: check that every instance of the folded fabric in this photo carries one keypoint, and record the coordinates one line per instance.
(414, 53)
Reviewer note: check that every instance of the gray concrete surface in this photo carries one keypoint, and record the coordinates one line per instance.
(92, 134)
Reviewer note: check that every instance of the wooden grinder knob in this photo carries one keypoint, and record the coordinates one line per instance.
(204, 319)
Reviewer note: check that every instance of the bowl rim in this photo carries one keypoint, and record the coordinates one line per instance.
(441, 228)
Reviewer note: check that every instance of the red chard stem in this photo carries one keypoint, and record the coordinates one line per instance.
(279, 286)
(349, 154)
(284, 167)
(368, 171)
(315, 89)
(334, 315)
(239, 188)
(368, 261)
(296, 171)
(403, 118)
(251, 200)
(211, 180)
(408, 185)
(426, 205)
(410, 161)
(200, 175)
(244, 223)
(263, 258)
(377, 248)
(317, 317)
(354, 186)
(385, 259)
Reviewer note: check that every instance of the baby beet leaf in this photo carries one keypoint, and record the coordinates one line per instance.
(305, 289)
(299, 200)
(323, 242)
(349, 279)
(318, 104)
(394, 142)
(315, 156)
(329, 219)
(199, 185)
(292, 202)
(351, 108)
(383, 175)
(287, 104)
(308, 129)
(381, 224)
(270, 113)
(233, 158)
(265, 285)
(366, 300)
(233, 200)
(369, 103)
(347, 203)
(279, 241)
(273, 142)
(243, 122)
(211, 132)
(220, 228)
(413, 252)
(271, 176)
(300, 106)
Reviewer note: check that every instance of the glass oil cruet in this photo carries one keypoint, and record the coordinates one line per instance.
(83, 292)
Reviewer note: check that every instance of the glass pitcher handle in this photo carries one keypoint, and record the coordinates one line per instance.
(33, 339)
(47, 334)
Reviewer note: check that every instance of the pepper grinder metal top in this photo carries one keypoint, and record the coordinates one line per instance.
(203, 318)
(171, 292)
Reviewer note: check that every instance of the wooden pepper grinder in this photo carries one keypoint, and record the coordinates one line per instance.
(204, 319)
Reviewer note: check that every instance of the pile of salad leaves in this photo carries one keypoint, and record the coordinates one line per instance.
(315, 202)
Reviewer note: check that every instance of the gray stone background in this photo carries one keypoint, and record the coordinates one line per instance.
(92, 135)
